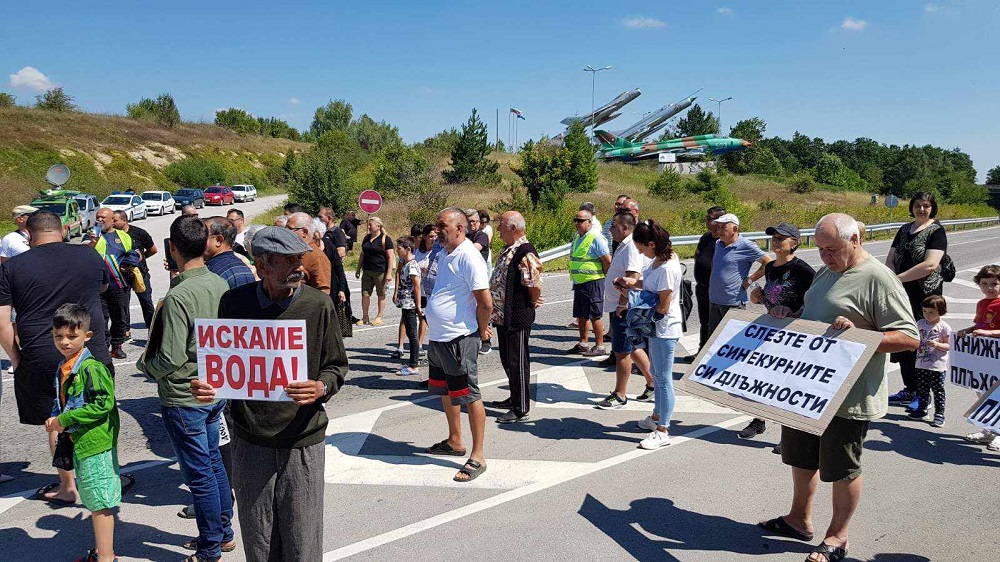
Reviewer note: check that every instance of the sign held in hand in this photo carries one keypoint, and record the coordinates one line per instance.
(251, 359)
(794, 372)
(985, 413)
(973, 362)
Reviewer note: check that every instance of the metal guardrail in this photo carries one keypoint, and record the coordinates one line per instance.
(807, 233)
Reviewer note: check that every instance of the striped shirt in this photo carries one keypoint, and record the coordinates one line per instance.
(231, 268)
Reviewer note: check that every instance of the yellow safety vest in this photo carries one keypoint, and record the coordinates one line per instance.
(582, 267)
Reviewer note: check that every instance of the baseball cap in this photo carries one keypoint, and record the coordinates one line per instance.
(277, 240)
(727, 218)
(784, 229)
(24, 210)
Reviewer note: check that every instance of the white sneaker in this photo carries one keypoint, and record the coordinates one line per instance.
(655, 440)
(647, 423)
(994, 445)
(980, 437)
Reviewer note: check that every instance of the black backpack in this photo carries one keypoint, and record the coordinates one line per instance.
(687, 298)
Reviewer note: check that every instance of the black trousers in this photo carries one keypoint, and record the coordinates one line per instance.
(515, 356)
(410, 323)
(701, 295)
(146, 301)
(114, 304)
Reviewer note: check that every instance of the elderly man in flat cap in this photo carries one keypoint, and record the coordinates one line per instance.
(278, 447)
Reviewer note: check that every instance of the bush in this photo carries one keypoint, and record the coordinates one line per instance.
(969, 194)
(768, 205)
(196, 172)
(705, 181)
(238, 121)
(668, 185)
(803, 183)
(400, 171)
(162, 110)
(55, 100)
(428, 199)
(317, 182)
(543, 172)
(763, 161)
(582, 173)
(7, 100)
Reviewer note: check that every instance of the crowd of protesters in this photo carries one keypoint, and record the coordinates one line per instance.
(62, 332)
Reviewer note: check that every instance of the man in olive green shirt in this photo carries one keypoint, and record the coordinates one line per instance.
(193, 426)
(853, 290)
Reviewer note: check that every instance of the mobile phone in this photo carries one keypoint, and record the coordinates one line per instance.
(171, 264)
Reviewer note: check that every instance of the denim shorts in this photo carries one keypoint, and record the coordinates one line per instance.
(619, 343)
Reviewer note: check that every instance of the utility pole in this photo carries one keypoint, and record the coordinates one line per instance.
(593, 86)
(720, 110)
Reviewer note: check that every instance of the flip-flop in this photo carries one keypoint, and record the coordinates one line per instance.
(193, 545)
(477, 469)
(128, 481)
(443, 448)
(830, 552)
(778, 526)
(40, 494)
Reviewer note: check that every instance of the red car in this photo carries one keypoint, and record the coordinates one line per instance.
(219, 195)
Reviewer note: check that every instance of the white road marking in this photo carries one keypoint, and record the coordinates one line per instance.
(954, 300)
(500, 499)
(965, 283)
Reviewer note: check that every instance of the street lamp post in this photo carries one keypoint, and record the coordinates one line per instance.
(720, 109)
(593, 84)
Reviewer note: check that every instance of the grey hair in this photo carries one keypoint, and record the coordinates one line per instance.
(845, 224)
(463, 218)
(470, 212)
(248, 236)
(516, 221)
(303, 219)
(589, 207)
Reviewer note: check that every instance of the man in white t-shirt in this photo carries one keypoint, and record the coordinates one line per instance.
(17, 242)
(627, 262)
(458, 319)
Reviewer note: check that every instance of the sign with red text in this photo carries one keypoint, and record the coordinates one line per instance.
(794, 372)
(974, 362)
(251, 359)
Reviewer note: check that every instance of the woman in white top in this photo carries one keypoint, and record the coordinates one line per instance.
(662, 276)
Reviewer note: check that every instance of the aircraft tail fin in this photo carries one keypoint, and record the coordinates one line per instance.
(608, 140)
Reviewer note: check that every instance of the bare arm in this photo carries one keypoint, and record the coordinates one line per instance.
(894, 341)
(151, 251)
(932, 258)
(7, 336)
(605, 262)
(664, 304)
(760, 270)
(484, 309)
(890, 260)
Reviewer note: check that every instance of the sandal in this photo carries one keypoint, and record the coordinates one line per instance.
(40, 494)
(830, 553)
(377, 321)
(443, 448)
(128, 481)
(778, 526)
(477, 469)
(226, 546)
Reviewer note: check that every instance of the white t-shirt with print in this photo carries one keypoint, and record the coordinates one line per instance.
(666, 277)
(627, 258)
(451, 308)
(13, 244)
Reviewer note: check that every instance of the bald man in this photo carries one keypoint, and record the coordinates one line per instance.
(315, 263)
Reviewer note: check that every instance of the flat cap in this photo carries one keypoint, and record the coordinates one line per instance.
(277, 240)
(23, 210)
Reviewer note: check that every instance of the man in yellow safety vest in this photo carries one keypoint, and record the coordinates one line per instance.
(589, 260)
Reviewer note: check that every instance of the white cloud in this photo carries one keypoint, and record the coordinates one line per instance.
(724, 11)
(851, 24)
(932, 8)
(31, 77)
(643, 23)
(294, 101)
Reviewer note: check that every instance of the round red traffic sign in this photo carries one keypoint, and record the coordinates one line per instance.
(370, 201)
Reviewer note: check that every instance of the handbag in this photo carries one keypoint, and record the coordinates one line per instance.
(62, 458)
(344, 319)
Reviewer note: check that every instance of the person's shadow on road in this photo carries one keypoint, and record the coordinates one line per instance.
(651, 527)
(909, 439)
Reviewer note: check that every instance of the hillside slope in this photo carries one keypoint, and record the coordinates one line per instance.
(106, 152)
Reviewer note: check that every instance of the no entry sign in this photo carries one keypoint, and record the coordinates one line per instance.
(370, 201)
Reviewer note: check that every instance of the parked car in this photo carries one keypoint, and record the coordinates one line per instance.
(88, 205)
(189, 196)
(133, 205)
(61, 203)
(245, 192)
(159, 202)
(219, 195)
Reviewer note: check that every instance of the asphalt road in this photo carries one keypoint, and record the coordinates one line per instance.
(570, 484)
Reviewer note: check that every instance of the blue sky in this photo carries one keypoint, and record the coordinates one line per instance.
(895, 71)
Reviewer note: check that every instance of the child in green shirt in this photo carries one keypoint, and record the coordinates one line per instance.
(85, 409)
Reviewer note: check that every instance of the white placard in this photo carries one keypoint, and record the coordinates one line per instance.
(251, 359)
(974, 362)
(985, 412)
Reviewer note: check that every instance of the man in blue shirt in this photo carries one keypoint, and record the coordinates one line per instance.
(219, 255)
(731, 263)
(112, 245)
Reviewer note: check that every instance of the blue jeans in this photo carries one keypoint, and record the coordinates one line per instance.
(661, 359)
(194, 433)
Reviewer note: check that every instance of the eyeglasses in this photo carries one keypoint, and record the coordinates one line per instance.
(297, 228)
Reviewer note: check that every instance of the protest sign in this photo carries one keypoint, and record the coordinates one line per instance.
(986, 411)
(794, 372)
(973, 362)
(251, 359)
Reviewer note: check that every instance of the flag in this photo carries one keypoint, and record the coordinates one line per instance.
(517, 112)
(521, 117)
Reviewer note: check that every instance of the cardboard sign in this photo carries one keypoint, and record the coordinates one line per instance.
(251, 359)
(985, 412)
(155, 336)
(974, 362)
(794, 372)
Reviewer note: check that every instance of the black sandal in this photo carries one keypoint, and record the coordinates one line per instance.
(778, 526)
(477, 469)
(128, 481)
(443, 448)
(830, 553)
(40, 494)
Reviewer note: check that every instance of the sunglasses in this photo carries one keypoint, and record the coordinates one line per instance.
(581, 220)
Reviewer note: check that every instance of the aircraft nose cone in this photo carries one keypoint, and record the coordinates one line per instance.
(746, 143)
